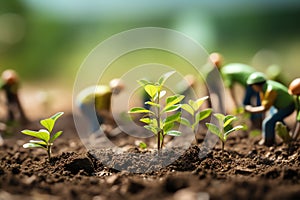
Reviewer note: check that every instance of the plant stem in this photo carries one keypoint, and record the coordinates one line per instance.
(49, 152)
(222, 147)
(195, 129)
(158, 140)
(159, 134)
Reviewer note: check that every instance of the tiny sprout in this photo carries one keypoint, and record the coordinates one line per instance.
(45, 140)
(193, 108)
(143, 145)
(283, 132)
(225, 127)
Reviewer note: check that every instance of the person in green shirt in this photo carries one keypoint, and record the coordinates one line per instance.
(94, 102)
(238, 73)
(272, 94)
(9, 83)
(294, 89)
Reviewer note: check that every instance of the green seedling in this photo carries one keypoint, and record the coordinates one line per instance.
(193, 108)
(283, 132)
(44, 135)
(142, 145)
(225, 127)
(154, 118)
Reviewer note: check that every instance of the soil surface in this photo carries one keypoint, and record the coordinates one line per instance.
(246, 170)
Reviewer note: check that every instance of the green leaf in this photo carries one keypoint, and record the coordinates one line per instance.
(152, 104)
(240, 127)
(142, 145)
(171, 108)
(188, 108)
(168, 126)
(172, 100)
(49, 123)
(41, 134)
(40, 142)
(200, 101)
(203, 114)
(172, 118)
(220, 118)
(56, 116)
(143, 82)
(193, 104)
(139, 110)
(56, 135)
(173, 133)
(151, 90)
(161, 93)
(185, 122)
(164, 77)
(151, 128)
(33, 145)
(228, 119)
(215, 130)
(146, 120)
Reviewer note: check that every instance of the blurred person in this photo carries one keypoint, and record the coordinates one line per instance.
(10, 85)
(2, 129)
(273, 95)
(294, 89)
(238, 73)
(214, 89)
(94, 102)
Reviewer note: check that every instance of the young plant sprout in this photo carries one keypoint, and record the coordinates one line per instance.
(44, 135)
(153, 118)
(282, 131)
(193, 108)
(225, 127)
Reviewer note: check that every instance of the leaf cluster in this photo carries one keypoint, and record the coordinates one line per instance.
(153, 117)
(193, 108)
(225, 126)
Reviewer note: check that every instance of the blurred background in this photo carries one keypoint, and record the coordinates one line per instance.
(47, 41)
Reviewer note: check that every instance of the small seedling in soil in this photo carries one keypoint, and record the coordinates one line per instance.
(153, 118)
(44, 135)
(225, 127)
(193, 108)
(282, 131)
(142, 145)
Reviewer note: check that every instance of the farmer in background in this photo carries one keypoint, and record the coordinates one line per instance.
(10, 85)
(2, 129)
(272, 94)
(294, 89)
(94, 103)
(214, 87)
(237, 73)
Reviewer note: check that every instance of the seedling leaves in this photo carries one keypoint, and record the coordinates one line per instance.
(56, 135)
(41, 134)
(49, 123)
(173, 133)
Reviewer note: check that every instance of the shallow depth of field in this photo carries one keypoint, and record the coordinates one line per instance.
(46, 43)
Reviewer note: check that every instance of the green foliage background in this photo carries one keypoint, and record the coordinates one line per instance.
(56, 36)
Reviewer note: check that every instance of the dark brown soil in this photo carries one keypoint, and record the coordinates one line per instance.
(245, 171)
